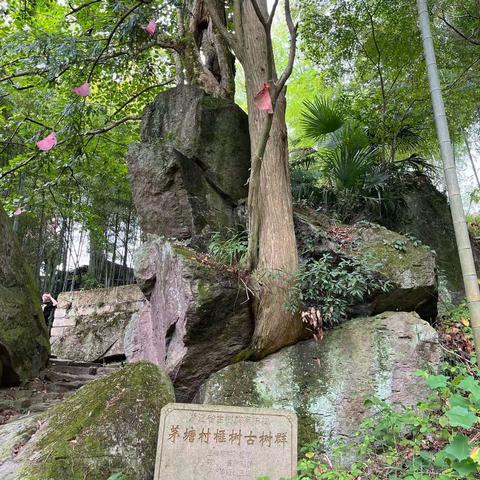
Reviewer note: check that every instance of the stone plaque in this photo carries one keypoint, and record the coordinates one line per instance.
(211, 442)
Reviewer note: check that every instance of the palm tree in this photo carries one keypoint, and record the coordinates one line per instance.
(458, 216)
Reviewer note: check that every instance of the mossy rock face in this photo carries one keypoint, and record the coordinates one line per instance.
(425, 213)
(108, 426)
(405, 263)
(24, 345)
(327, 382)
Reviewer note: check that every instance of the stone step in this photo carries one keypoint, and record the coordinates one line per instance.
(52, 375)
(60, 379)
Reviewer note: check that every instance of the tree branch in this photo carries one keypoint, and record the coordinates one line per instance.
(23, 74)
(18, 166)
(112, 33)
(272, 13)
(218, 23)
(130, 118)
(259, 13)
(292, 28)
(141, 92)
(457, 31)
(81, 7)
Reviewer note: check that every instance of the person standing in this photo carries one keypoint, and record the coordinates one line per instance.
(49, 304)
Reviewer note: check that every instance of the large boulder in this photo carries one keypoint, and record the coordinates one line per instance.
(326, 383)
(189, 172)
(197, 319)
(90, 324)
(107, 427)
(424, 212)
(407, 264)
(24, 346)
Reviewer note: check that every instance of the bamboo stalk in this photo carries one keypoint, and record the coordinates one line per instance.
(456, 207)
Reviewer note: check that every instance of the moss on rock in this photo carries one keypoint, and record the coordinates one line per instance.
(24, 346)
(326, 383)
(108, 426)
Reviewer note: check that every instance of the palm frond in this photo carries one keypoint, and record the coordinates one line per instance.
(320, 117)
(350, 135)
(302, 158)
(415, 164)
(345, 169)
(407, 138)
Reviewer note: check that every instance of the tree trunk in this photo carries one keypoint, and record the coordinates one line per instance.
(461, 230)
(465, 137)
(206, 57)
(125, 248)
(273, 250)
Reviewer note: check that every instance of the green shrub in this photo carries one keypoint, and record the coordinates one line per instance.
(437, 439)
(330, 287)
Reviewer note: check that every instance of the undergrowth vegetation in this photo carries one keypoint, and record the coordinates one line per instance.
(229, 248)
(436, 439)
(326, 288)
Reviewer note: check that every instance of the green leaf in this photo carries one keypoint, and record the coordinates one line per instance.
(116, 476)
(320, 117)
(461, 417)
(465, 467)
(458, 448)
(436, 381)
(471, 385)
(458, 401)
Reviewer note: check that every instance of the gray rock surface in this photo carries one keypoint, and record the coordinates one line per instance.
(409, 266)
(90, 324)
(326, 383)
(189, 173)
(425, 214)
(107, 427)
(24, 346)
(197, 319)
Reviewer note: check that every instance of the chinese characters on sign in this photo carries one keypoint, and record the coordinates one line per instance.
(225, 443)
(265, 439)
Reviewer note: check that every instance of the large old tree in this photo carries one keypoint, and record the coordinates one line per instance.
(194, 42)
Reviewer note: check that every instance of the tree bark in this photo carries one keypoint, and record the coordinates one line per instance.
(467, 263)
(272, 244)
(206, 57)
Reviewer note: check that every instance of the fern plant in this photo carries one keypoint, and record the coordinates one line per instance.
(229, 248)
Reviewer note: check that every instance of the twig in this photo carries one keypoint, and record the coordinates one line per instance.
(113, 125)
(81, 7)
(292, 28)
(141, 92)
(19, 166)
(457, 31)
(112, 33)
